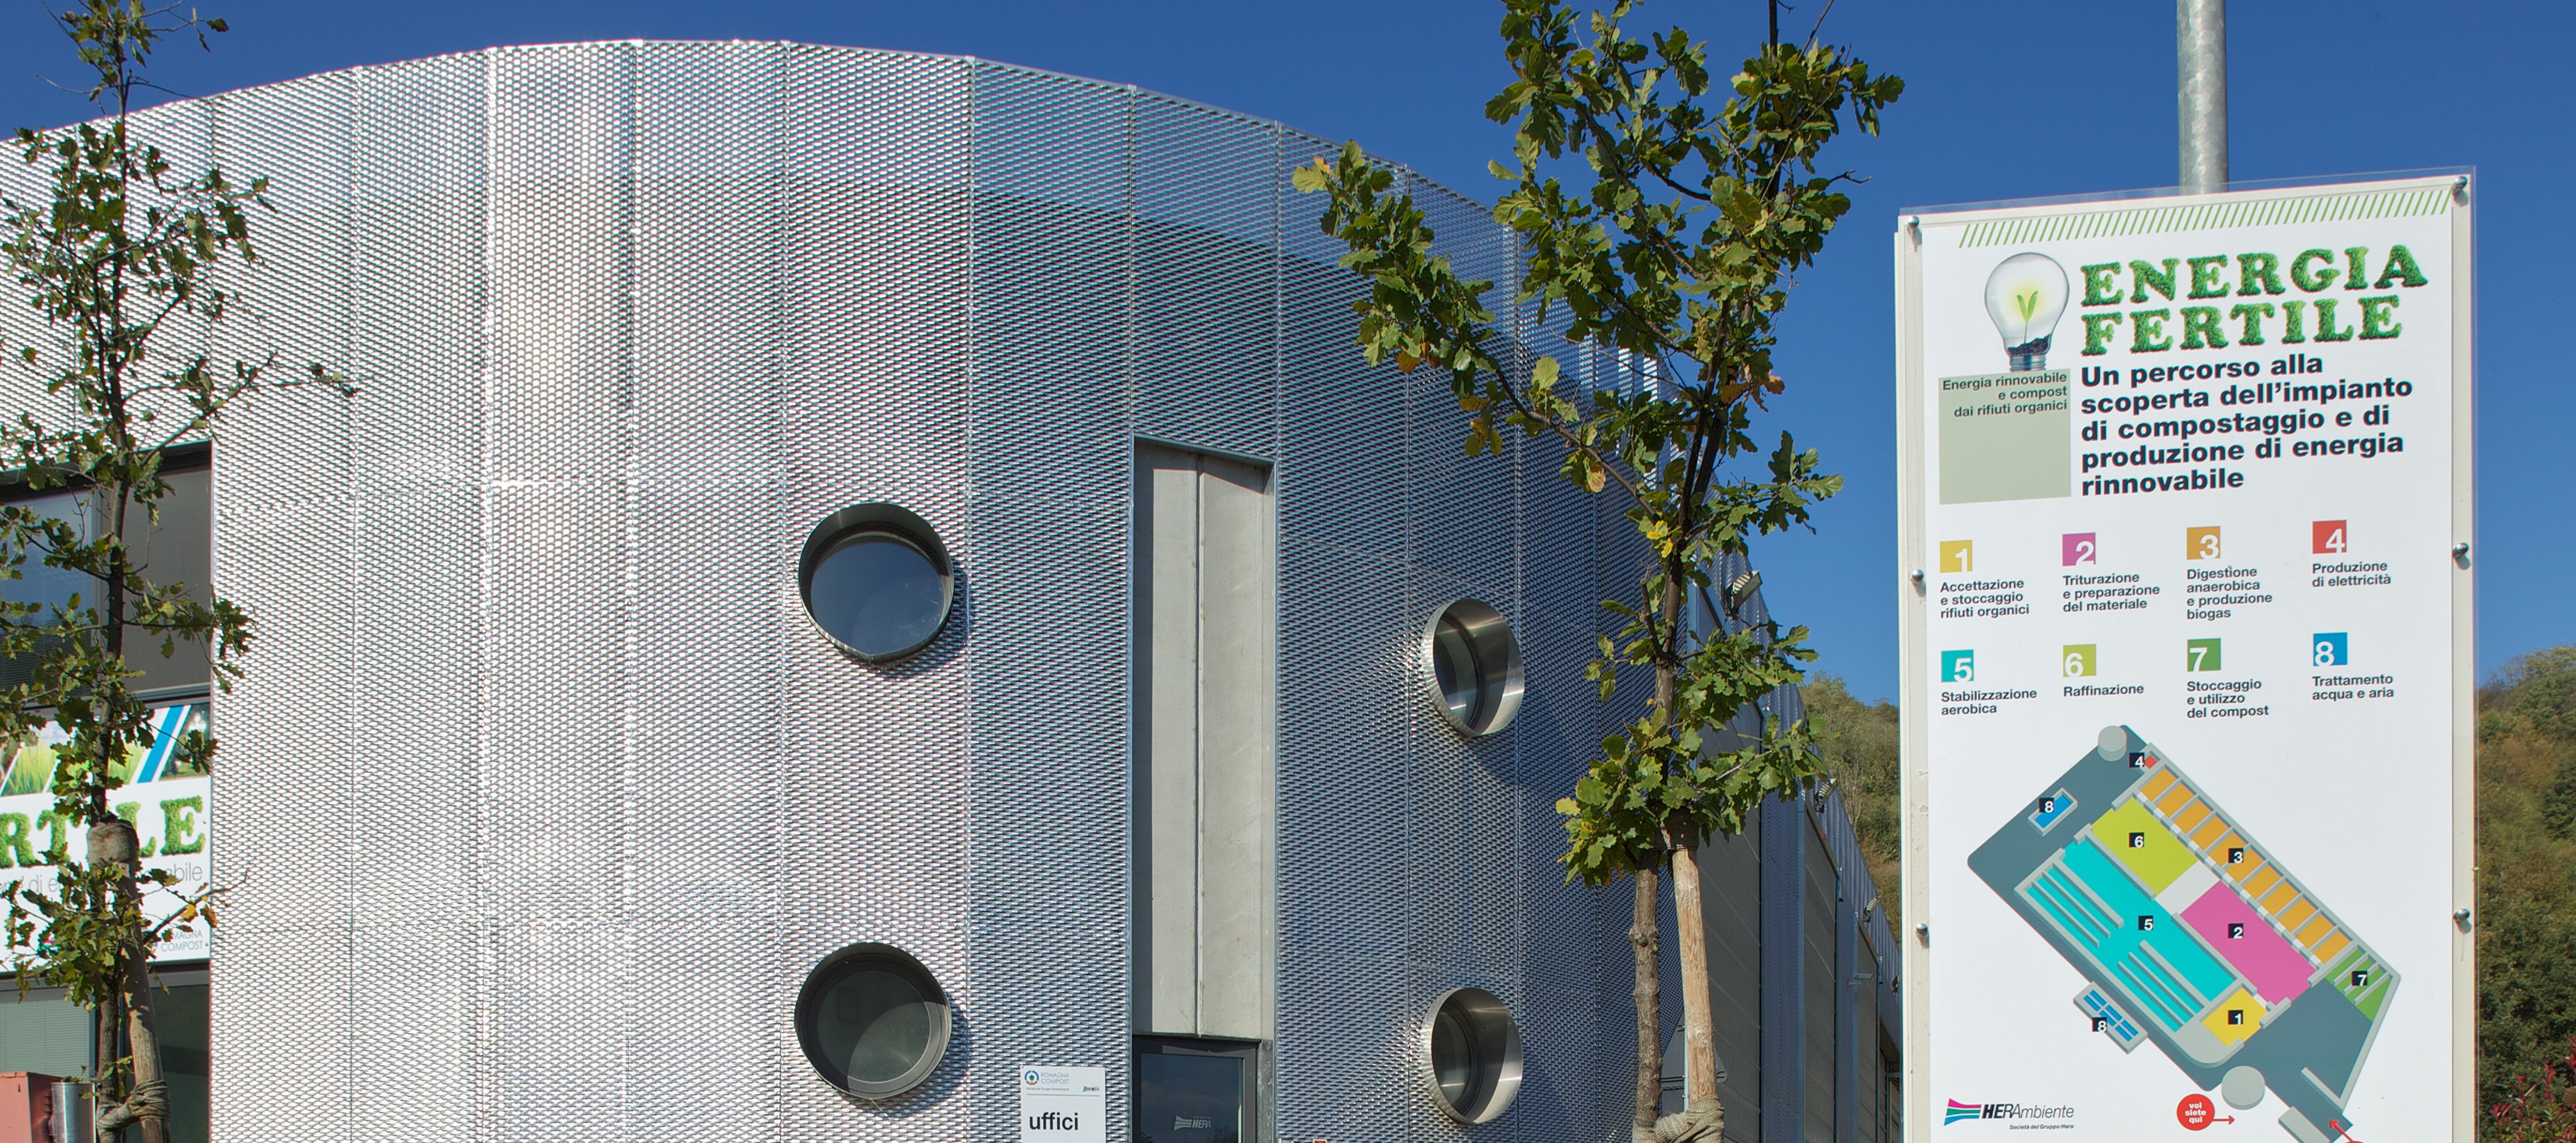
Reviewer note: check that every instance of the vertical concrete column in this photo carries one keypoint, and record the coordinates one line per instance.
(1209, 582)
(1167, 790)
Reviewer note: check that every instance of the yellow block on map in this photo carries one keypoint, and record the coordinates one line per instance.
(2236, 1017)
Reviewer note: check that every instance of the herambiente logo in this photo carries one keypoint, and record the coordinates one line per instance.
(2030, 1114)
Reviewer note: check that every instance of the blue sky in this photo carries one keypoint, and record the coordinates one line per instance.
(2005, 99)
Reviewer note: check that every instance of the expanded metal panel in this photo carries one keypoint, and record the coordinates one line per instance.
(418, 350)
(1206, 274)
(710, 204)
(1055, 242)
(1348, 671)
(281, 1019)
(1333, 486)
(1573, 1078)
(558, 1033)
(293, 308)
(411, 1016)
(874, 785)
(878, 240)
(1349, 1055)
(707, 561)
(420, 183)
(558, 725)
(288, 1076)
(562, 264)
(872, 829)
(284, 770)
(1462, 516)
(415, 647)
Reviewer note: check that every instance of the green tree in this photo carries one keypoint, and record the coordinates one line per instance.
(1690, 207)
(123, 263)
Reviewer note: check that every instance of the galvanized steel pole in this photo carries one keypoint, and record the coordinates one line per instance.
(2200, 91)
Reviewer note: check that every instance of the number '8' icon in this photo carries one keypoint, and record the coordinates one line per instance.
(2333, 649)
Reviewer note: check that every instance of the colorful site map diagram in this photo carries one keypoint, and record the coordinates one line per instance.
(2192, 935)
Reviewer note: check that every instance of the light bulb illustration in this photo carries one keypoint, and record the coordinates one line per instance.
(2025, 295)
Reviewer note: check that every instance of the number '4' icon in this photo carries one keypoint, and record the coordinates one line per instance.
(2329, 537)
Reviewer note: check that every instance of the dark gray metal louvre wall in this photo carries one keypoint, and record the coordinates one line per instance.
(542, 793)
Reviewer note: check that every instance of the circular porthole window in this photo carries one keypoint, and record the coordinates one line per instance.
(1475, 666)
(872, 1021)
(876, 580)
(1473, 1051)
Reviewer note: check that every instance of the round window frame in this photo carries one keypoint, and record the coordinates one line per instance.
(1487, 1012)
(904, 527)
(1488, 630)
(809, 999)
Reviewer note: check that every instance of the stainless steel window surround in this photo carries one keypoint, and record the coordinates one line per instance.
(872, 999)
(1474, 666)
(887, 626)
(1471, 1055)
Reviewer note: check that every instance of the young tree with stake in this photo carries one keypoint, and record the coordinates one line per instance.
(124, 262)
(1675, 243)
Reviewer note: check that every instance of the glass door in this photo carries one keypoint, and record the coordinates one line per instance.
(1195, 1090)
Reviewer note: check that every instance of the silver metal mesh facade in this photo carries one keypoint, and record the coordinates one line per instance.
(544, 794)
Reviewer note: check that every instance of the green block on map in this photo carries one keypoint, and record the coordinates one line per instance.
(2142, 843)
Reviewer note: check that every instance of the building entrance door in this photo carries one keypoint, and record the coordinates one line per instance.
(1195, 1090)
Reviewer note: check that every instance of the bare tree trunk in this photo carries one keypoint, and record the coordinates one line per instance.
(1701, 1117)
(113, 843)
(113, 840)
(1650, 1006)
(1699, 1033)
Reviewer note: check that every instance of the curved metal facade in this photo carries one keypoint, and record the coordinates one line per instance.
(543, 794)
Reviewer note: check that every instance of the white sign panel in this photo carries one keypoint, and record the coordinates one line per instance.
(1063, 1105)
(2187, 665)
(171, 814)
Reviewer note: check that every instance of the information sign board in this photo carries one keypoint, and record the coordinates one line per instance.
(1064, 1105)
(2186, 639)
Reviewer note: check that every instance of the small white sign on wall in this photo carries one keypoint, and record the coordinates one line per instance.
(1063, 1105)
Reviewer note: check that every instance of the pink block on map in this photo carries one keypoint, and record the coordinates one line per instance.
(2268, 960)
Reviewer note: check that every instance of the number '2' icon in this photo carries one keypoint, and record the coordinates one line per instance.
(2079, 548)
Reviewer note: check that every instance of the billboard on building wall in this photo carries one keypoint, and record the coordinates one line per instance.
(171, 811)
(2188, 664)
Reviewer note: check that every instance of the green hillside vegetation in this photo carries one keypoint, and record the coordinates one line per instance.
(1860, 746)
(2526, 911)
(2526, 854)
